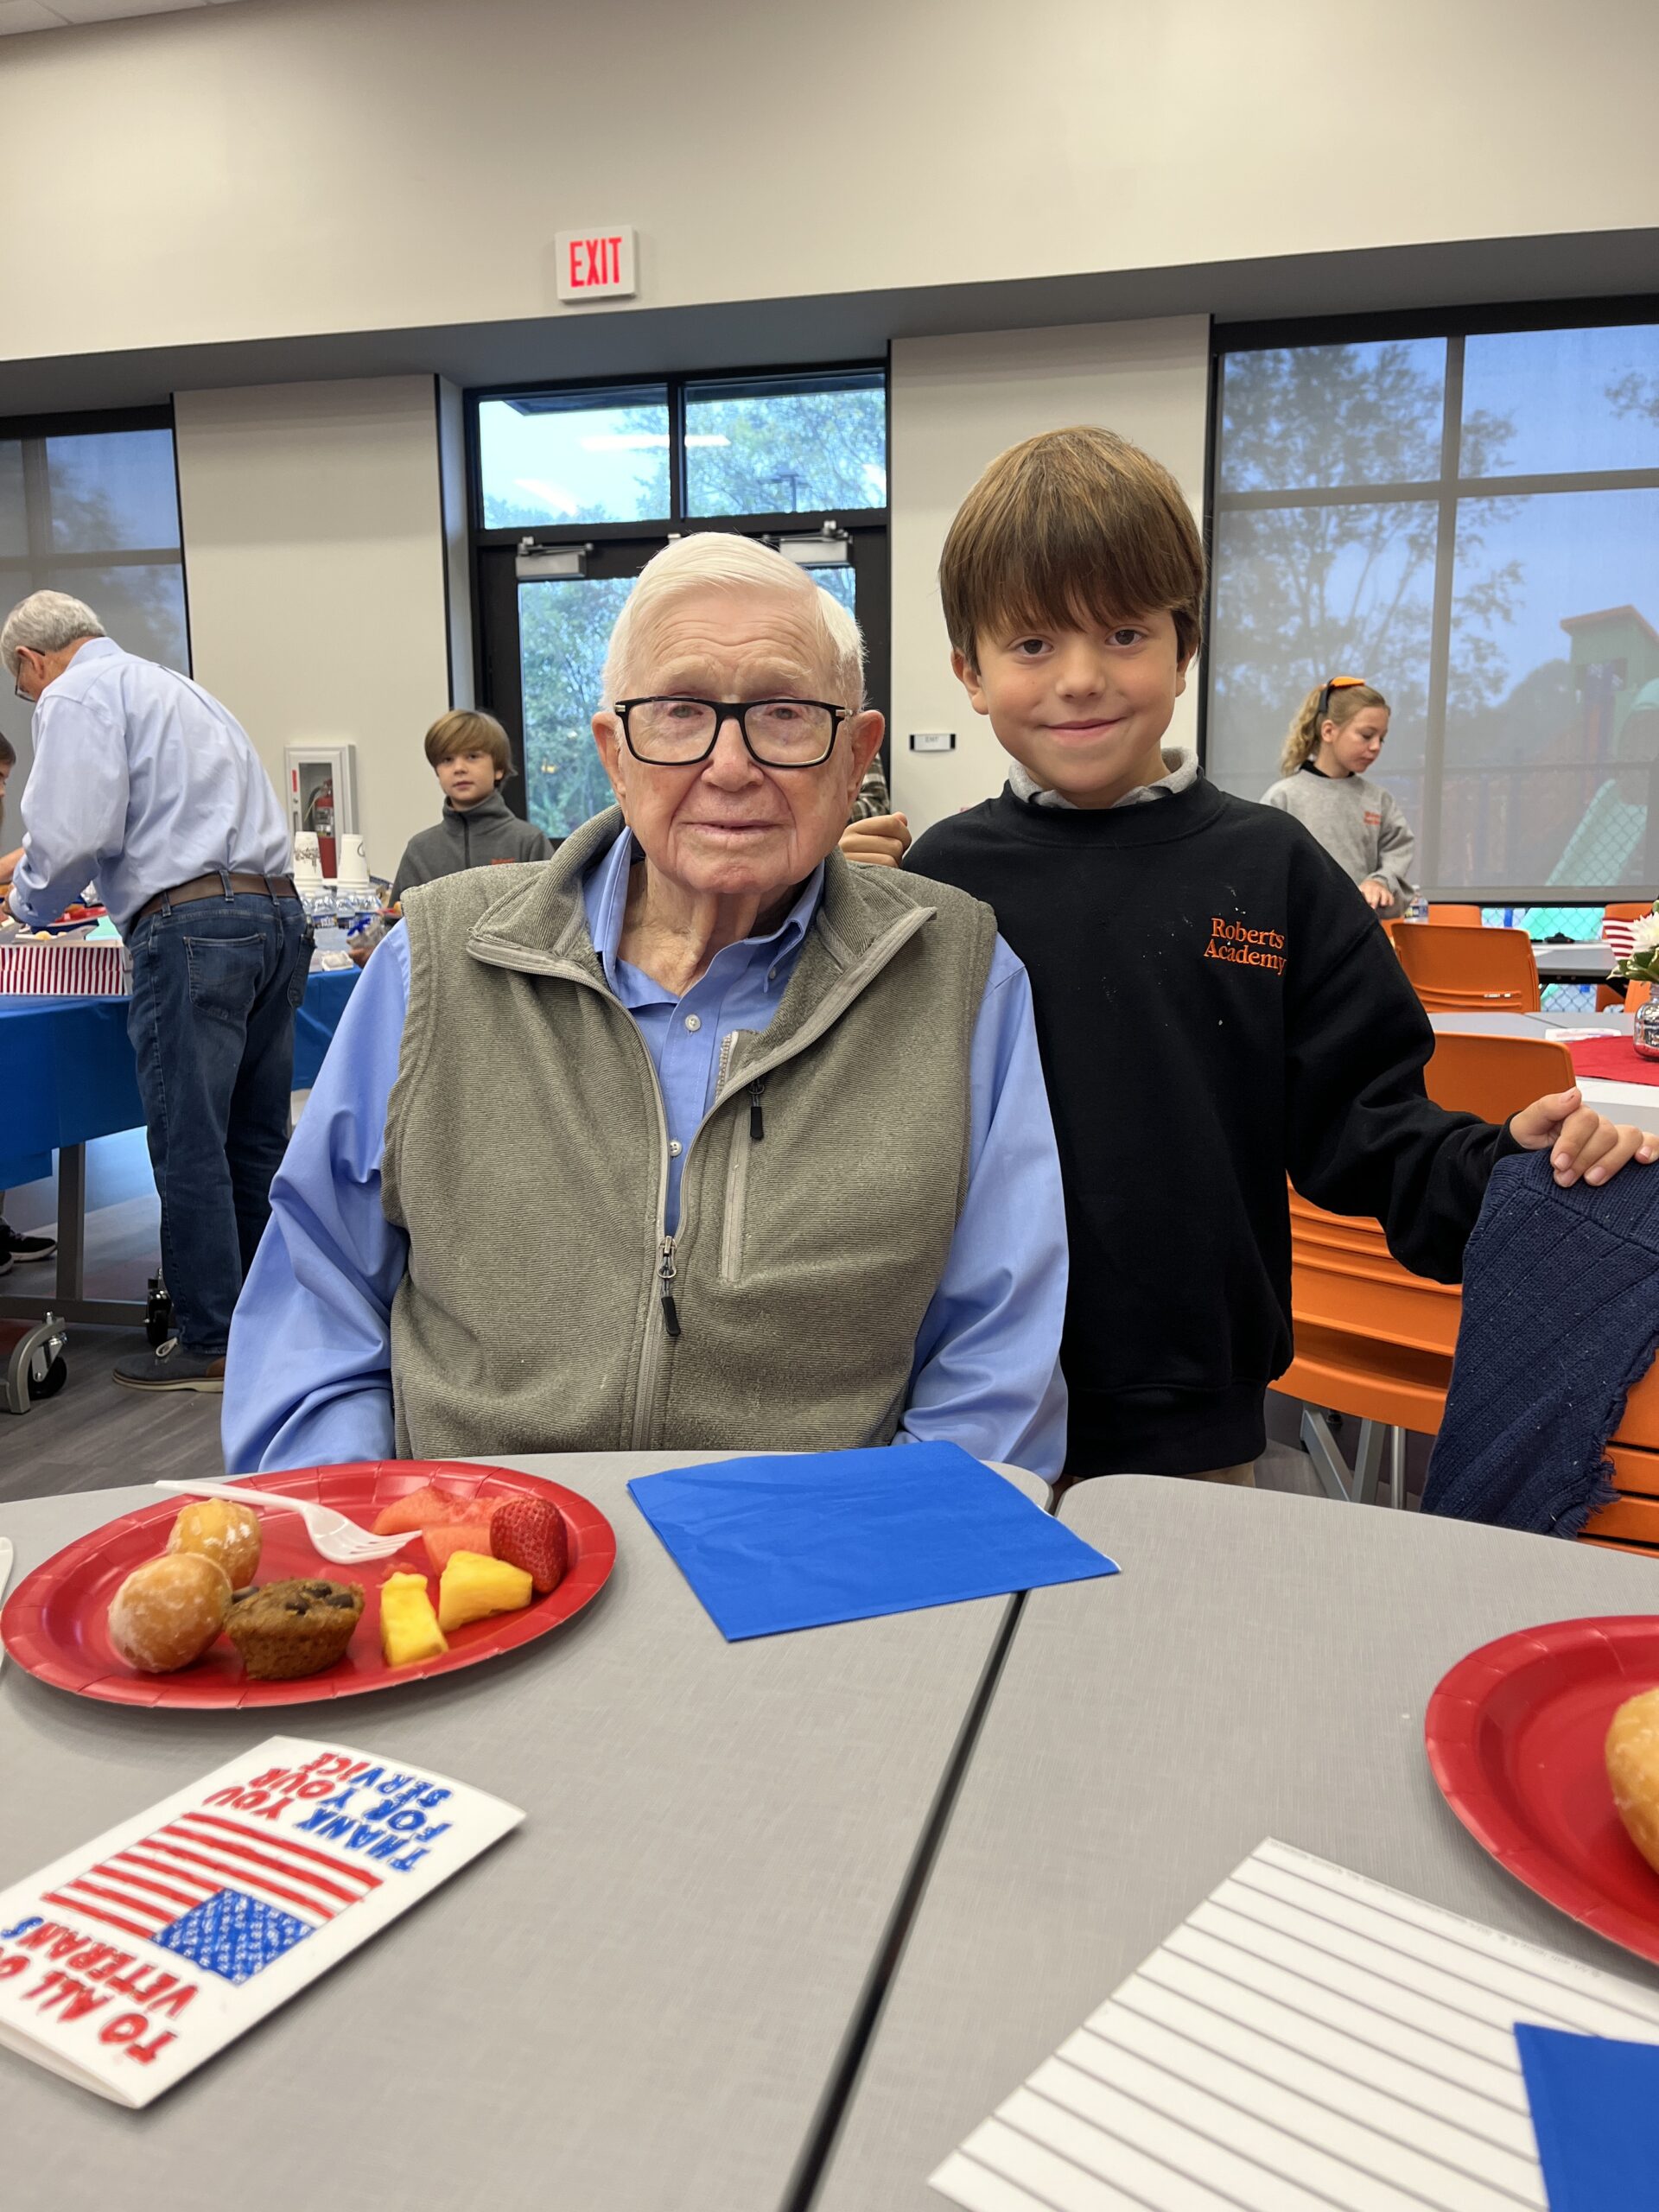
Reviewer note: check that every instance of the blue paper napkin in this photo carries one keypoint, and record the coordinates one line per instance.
(1595, 2111)
(800, 1541)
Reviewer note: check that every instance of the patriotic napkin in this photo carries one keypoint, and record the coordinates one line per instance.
(125, 1964)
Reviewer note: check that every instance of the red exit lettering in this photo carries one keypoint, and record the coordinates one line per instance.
(596, 261)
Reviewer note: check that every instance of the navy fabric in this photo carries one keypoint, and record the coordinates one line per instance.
(1560, 1319)
(211, 1019)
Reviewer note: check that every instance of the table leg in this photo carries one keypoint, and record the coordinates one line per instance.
(71, 1221)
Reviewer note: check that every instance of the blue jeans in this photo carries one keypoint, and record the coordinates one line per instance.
(214, 987)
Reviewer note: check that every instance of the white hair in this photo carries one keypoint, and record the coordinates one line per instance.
(712, 560)
(46, 621)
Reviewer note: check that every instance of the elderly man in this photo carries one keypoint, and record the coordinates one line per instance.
(580, 1173)
(145, 785)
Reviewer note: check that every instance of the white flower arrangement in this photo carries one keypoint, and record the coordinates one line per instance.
(1641, 964)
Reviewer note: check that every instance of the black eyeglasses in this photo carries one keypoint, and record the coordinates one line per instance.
(671, 732)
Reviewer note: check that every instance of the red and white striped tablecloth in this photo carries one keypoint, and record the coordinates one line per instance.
(62, 967)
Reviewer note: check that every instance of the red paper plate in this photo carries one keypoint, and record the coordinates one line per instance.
(1515, 1735)
(54, 1623)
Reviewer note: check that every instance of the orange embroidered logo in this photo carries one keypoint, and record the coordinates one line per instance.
(1373, 821)
(1245, 948)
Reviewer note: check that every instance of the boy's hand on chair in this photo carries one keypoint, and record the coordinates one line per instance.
(880, 841)
(1581, 1143)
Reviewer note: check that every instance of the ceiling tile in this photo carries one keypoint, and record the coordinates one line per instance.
(27, 15)
(110, 11)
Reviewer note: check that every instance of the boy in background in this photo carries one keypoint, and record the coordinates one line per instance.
(1215, 1006)
(471, 757)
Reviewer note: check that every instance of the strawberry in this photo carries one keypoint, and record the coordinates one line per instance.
(529, 1532)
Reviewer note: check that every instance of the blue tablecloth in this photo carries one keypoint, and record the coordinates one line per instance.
(66, 1072)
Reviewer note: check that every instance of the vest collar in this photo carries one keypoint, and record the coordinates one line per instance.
(541, 927)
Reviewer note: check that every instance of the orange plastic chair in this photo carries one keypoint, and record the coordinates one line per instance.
(1372, 1341)
(1495, 1076)
(1631, 1522)
(1462, 918)
(1456, 970)
(1629, 910)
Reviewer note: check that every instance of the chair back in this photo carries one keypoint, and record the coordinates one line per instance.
(1631, 1521)
(1495, 1076)
(1372, 1340)
(1456, 970)
(1460, 918)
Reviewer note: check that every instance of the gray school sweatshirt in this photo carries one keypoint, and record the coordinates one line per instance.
(468, 837)
(1359, 824)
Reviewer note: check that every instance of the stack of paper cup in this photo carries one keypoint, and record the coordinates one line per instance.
(352, 865)
(308, 863)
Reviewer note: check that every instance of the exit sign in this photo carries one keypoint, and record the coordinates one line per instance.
(595, 264)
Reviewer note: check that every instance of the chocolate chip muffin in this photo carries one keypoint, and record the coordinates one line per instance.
(284, 1630)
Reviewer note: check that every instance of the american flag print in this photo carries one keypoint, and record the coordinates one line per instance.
(227, 1897)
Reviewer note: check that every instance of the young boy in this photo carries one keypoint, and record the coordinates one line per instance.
(470, 754)
(1215, 1006)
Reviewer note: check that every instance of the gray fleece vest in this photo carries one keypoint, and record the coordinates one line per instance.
(526, 1157)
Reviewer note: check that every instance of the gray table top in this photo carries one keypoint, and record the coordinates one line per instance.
(1613, 1023)
(1591, 963)
(1261, 1666)
(635, 2000)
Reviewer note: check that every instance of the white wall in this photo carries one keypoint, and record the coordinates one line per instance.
(293, 166)
(315, 556)
(956, 403)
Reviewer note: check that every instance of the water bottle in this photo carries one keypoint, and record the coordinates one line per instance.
(1418, 909)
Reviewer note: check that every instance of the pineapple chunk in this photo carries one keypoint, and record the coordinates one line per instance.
(473, 1586)
(409, 1627)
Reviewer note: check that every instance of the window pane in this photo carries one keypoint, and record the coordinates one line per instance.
(592, 456)
(113, 492)
(14, 512)
(840, 583)
(1301, 418)
(141, 608)
(1304, 592)
(564, 625)
(782, 447)
(1552, 743)
(1567, 400)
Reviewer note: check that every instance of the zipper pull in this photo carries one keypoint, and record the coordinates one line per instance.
(665, 1274)
(756, 1120)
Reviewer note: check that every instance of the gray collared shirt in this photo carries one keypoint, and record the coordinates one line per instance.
(1181, 761)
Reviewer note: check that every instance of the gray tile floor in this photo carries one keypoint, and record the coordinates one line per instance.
(94, 1434)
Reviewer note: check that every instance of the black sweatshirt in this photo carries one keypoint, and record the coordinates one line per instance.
(1216, 1008)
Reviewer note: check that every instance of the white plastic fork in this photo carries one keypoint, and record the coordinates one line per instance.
(333, 1536)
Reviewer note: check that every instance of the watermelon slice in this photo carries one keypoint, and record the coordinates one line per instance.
(447, 1536)
(425, 1508)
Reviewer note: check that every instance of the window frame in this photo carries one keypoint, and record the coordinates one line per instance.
(34, 430)
(621, 548)
(1445, 490)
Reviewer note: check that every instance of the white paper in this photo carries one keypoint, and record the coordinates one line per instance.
(127, 1963)
(1306, 2040)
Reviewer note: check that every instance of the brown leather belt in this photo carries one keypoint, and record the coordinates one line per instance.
(212, 886)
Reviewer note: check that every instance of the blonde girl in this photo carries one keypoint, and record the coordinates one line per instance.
(1334, 740)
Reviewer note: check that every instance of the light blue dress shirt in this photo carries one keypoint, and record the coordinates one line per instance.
(308, 1378)
(141, 781)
